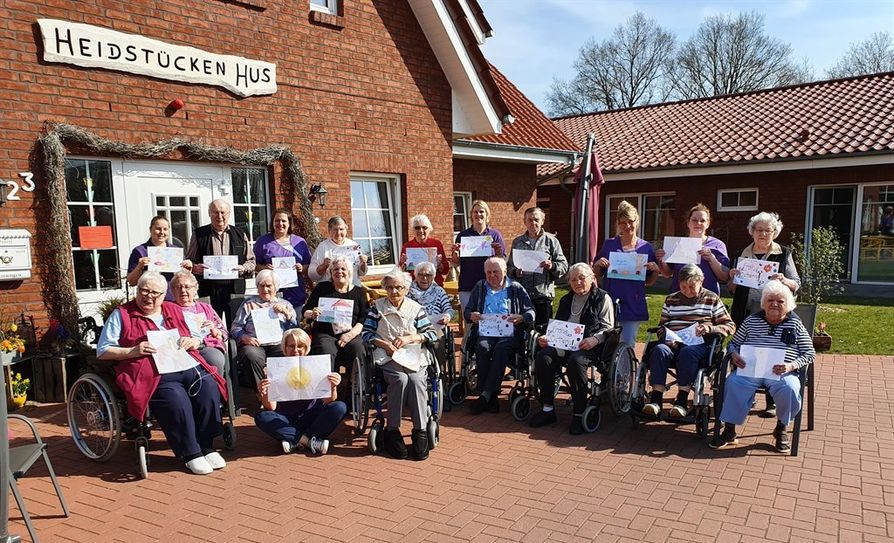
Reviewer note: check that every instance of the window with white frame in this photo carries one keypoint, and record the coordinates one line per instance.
(373, 210)
(250, 201)
(656, 214)
(462, 201)
(183, 213)
(91, 212)
(326, 6)
(737, 199)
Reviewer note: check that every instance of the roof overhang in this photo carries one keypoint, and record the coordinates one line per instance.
(473, 112)
(496, 152)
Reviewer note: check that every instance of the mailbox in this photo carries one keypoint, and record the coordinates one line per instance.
(15, 254)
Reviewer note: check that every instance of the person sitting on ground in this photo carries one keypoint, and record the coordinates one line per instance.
(300, 424)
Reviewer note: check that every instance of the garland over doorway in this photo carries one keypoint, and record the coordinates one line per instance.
(53, 235)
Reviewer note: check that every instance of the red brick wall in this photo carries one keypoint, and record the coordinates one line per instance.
(507, 188)
(368, 97)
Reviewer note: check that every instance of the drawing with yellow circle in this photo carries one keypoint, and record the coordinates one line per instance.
(297, 378)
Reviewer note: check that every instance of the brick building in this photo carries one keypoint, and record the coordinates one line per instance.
(118, 111)
(819, 154)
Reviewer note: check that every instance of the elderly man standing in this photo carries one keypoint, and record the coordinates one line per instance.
(220, 238)
(540, 284)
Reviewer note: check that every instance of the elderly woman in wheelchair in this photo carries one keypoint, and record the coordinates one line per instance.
(394, 326)
(775, 339)
(185, 402)
(686, 316)
(592, 307)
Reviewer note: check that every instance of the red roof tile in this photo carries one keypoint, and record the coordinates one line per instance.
(531, 127)
(838, 117)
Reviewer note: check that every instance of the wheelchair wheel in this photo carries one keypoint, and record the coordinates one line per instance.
(375, 438)
(142, 447)
(229, 436)
(623, 379)
(93, 417)
(521, 408)
(433, 429)
(360, 407)
(457, 393)
(702, 421)
(591, 418)
(516, 391)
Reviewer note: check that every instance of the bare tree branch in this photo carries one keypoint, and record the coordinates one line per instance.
(874, 55)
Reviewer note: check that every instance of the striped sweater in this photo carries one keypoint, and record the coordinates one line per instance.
(790, 335)
(386, 322)
(679, 312)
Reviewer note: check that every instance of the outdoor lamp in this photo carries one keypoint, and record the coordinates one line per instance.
(318, 192)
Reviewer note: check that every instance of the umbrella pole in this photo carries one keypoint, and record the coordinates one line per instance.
(582, 242)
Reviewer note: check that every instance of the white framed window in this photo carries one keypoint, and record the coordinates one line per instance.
(374, 207)
(737, 199)
(326, 6)
(183, 213)
(250, 201)
(656, 214)
(462, 203)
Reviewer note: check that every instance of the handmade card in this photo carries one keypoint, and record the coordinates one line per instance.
(351, 252)
(495, 325)
(417, 255)
(221, 267)
(564, 335)
(267, 325)
(754, 273)
(337, 311)
(759, 361)
(168, 356)
(476, 246)
(299, 378)
(409, 356)
(681, 250)
(195, 322)
(686, 336)
(627, 266)
(284, 268)
(164, 259)
(528, 261)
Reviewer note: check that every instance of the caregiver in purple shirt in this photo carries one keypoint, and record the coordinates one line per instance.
(281, 242)
(631, 293)
(714, 261)
(471, 268)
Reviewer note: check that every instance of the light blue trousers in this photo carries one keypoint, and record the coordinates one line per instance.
(628, 332)
(738, 394)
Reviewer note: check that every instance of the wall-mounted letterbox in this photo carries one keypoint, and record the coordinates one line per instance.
(15, 254)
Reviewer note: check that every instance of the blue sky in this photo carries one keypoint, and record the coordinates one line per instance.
(537, 39)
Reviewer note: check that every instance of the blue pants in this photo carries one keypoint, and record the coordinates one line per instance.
(738, 394)
(687, 361)
(186, 405)
(315, 423)
(628, 332)
(492, 355)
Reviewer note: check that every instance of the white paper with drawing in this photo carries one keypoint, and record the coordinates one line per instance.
(351, 252)
(165, 259)
(754, 273)
(338, 312)
(284, 268)
(168, 356)
(686, 336)
(220, 267)
(299, 378)
(564, 335)
(195, 322)
(409, 356)
(495, 325)
(627, 266)
(418, 255)
(476, 246)
(681, 250)
(267, 325)
(759, 361)
(528, 261)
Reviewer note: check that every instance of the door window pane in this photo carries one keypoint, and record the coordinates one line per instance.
(876, 258)
(461, 203)
(250, 200)
(834, 206)
(657, 217)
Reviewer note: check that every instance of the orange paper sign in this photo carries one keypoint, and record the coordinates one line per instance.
(95, 237)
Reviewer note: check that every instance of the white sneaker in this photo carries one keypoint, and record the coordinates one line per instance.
(199, 466)
(678, 411)
(318, 446)
(286, 447)
(652, 409)
(215, 460)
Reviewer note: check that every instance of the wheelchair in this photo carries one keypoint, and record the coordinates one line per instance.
(368, 393)
(466, 382)
(97, 410)
(711, 374)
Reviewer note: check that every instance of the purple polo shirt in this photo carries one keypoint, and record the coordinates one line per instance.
(631, 293)
(143, 250)
(471, 268)
(719, 249)
(266, 248)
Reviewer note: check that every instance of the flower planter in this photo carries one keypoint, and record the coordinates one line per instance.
(9, 357)
(18, 402)
(822, 343)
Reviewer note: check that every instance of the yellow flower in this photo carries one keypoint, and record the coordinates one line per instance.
(13, 328)
(18, 376)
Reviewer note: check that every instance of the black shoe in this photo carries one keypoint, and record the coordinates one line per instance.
(420, 444)
(726, 439)
(577, 425)
(478, 406)
(783, 444)
(493, 406)
(542, 418)
(394, 444)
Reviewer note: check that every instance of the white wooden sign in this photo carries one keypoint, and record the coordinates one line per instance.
(97, 47)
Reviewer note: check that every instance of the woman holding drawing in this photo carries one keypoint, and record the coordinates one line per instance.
(790, 345)
(281, 244)
(686, 316)
(258, 339)
(159, 232)
(471, 268)
(586, 304)
(300, 424)
(713, 258)
(393, 323)
(186, 403)
(337, 244)
(630, 293)
(203, 322)
(422, 240)
(435, 302)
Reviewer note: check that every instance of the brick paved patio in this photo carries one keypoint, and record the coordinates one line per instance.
(492, 479)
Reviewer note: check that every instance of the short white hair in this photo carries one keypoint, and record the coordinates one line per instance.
(155, 278)
(184, 277)
(220, 202)
(776, 287)
(422, 220)
(425, 267)
(580, 268)
(498, 260)
(771, 219)
(265, 275)
(349, 266)
(397, 276)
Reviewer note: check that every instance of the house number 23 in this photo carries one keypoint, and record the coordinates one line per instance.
(27, 186)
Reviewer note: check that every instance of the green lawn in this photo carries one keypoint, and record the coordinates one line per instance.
(857, 325)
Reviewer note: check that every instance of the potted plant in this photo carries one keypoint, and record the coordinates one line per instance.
(11, 344)
(820, 266)
(19, 388)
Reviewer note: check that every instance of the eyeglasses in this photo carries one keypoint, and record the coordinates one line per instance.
(763, 231)
(151, 294)
(425, 275)
(420, 228)
(397, 288)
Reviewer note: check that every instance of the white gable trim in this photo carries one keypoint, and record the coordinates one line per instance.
(473, 150)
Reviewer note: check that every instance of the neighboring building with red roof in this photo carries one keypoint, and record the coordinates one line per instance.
(819, 154)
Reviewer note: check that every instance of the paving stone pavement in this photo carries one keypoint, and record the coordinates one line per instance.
(494, 479)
